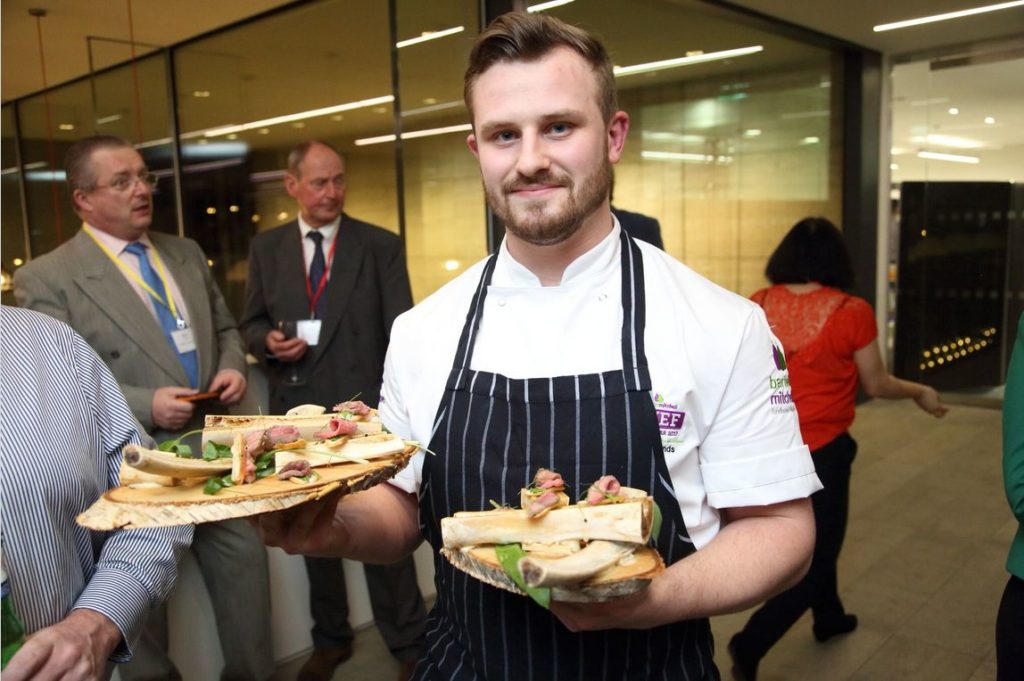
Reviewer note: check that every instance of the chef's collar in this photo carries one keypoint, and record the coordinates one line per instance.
(508, 272)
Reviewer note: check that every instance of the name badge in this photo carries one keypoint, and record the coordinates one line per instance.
(184, 340)
(309, 331)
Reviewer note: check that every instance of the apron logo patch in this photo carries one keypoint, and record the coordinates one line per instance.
(670, 417)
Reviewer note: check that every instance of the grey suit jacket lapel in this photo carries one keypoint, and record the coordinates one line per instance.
(102, 281)
(348, 260)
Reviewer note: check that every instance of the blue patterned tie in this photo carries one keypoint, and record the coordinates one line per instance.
(317, 267)
(190, 359)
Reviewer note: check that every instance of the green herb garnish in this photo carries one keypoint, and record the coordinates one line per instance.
(217, 483)
(176, 447)
(655, 521)
(213, 451)
(508, 556)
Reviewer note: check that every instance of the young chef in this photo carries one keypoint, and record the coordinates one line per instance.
(578, 349)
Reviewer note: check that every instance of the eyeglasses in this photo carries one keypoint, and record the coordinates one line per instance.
(123, 183)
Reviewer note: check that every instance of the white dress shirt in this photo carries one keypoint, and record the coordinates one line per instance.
(308, 247)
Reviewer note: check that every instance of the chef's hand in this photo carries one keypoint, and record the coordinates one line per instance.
(230, 383)
(285, 349)
(309, 529)
(168, 411)
(76, 648)
(636, 611)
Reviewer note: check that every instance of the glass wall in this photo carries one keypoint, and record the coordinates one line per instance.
(247, 95)
(734, 131)
(726, 150)
(14, 247)
(958, 215)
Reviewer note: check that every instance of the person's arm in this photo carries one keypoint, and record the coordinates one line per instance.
(878, 382)
(761, 551)
(1013, 428)
(135, 569)
(379, 525)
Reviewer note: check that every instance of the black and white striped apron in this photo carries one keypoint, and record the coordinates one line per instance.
(491, 435)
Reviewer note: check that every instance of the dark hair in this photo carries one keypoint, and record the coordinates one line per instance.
(519, 36)
(298, 154)
(812, 251)
(77, 162)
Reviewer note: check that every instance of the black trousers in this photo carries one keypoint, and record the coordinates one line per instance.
(398, 608)
(819, 589)
(1010, 632)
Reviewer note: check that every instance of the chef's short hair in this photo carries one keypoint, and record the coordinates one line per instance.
(298, 154)
(520, 36)
(78, 170)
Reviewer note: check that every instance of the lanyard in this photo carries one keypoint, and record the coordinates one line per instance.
(169, 303)
(315, 296)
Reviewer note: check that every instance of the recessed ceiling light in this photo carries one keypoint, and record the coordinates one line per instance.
(18, 262)
(264, 131)
(989, 120)
(948, 15)
(954, 158)
(201, 93)
(541, 6)
(337, 118)
(232, 136)
(282, 215)
(430, 100)
(810, 140)
(312, 113)
(950, 141)
(66, 126)
(752, 132)
(298, 124)
(894, 166)
(953, 111)
(686, 61)
(430, 35)
(413, 134)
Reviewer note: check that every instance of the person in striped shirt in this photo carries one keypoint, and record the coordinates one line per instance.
(83, 596)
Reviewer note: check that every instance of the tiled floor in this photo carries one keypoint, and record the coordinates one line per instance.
(922, 566)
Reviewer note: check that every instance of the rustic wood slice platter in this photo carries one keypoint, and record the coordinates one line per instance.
(617, 581)
(135, 507)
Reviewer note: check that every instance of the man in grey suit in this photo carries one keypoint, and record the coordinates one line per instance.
(341, 283)
(146, 303)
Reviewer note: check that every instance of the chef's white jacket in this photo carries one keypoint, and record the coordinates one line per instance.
(728, 425)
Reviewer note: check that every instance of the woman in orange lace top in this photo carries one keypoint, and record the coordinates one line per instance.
(831, 344)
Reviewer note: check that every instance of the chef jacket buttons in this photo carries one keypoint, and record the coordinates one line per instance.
(603, 296)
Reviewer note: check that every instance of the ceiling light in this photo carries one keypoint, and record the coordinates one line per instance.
(264, 131)
(108, 119)
(948, 15)
(233, 208)
(541, 6)
(430, 100)
(686, 61)
(989, 120)
(201, 93)
(337, 118)
(683, 157)
(465, 127)
(894, 166)
(233, 136)
(430, 35)
(298, 124)
(950, 141)
(282, 215)
(451, 265)
(810, 140)
(18, 262)
(672, 137)
(955, 158)
(752, 132)
(312, 113)
(66, 126)
(953, 111)
(434, 107)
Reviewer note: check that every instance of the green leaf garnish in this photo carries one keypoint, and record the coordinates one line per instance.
(176, 447)
(655, 521)
(508, 556)
(213, 451)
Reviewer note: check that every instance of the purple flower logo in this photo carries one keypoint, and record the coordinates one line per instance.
(780, 359)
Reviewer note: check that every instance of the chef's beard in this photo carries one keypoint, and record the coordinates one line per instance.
(533, 224)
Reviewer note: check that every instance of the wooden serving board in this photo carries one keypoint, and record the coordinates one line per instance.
(135, 507)
(616, 581)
